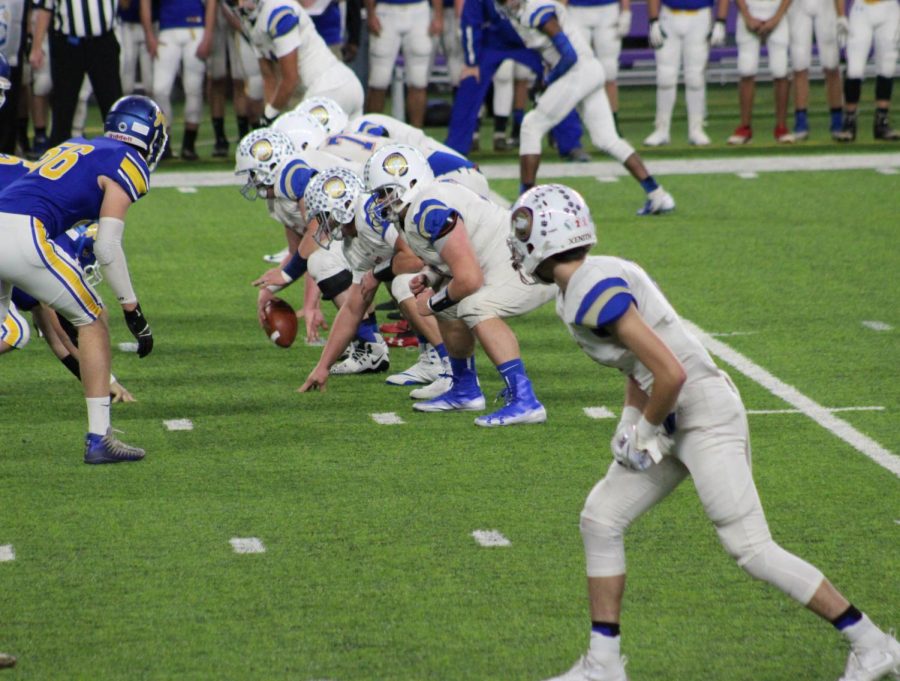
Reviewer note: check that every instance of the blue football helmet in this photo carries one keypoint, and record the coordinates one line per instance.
(138, 121)
(5, 82)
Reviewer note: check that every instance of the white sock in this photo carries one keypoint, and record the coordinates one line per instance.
(604, 646)
(863, 634)
(98, 415)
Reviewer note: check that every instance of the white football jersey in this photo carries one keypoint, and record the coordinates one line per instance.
(431, 216)
(373, 243)
(529, 16)
(356, 147)
(398, 131)
(600, 292)
(275, 32)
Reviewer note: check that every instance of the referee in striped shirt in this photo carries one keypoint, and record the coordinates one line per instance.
(81, 42)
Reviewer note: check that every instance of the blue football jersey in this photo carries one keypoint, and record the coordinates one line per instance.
(12, 168)
(62, 189)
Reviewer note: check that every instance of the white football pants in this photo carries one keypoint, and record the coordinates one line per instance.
(806, 17)
(878, 22)
(402, 26)
(133, 52)
(599, 26)
(777, 43)
(178, 49)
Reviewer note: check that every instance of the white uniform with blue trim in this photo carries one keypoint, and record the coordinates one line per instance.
(282, 26)
(712, 441)
(404, 25)
(435, 210)
(873, 23)
(581, 86)
(181, 29)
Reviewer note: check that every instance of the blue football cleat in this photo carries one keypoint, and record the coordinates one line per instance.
(521, 407)
(107, 449)
(458, 398)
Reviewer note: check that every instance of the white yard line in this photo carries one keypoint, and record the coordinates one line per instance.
(748, 175)
(797, 411)
(490, 538)
(187, 190)
(128, 347)
(877, 326)
(247, 545)
(611, 169)
(599, 413)
(387, 418)
(7, 552)
(838, 427)
(179, 424)
(726, 334)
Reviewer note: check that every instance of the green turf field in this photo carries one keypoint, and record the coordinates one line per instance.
(370, 570)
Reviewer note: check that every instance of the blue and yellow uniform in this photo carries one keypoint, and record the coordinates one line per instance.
(12, 168)
(62, 190)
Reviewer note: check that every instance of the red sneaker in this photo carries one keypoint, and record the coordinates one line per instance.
(403, 341)
(741, 135)
(395, 327)
(783, 135)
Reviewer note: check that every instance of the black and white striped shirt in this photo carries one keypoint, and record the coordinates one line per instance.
(81, 18)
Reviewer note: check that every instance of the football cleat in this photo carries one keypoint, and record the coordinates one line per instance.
(457, 398)
(882, 129)
(783, 135)
(847, 133)
(521, 407)
(589, 668)
(698, 138)
(659, 202)
(871, 664)
(276, 258)
(395, 327)
(427, 370)
(7, 661)
(189, 154)
(107, 449)
(741, 135)
(366, 358)
(403, 340)
(443, 383)
(220, 150)
(801, 134)
(657, 138)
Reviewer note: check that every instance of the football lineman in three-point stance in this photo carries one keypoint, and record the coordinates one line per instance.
(621, 319)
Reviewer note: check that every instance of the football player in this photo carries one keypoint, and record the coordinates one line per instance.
(805, 17)
(575, 78)
(284, 36)
(406, 24)
(619, 317)
(375, 253)
(683, 30)
(185, 40)
(878, 22)
(77, 180)
(761, 21)
(460, 235)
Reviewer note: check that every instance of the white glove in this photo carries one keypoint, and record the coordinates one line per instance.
(657, 36)
(843, 31)
(623, 26)
(717, 34)
(629, 419)
(626, 452)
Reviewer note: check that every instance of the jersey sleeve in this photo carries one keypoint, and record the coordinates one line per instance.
(434, 220)
(131, 174)
(280, 26)
(539, 13)
(293, 180)
(606, 301)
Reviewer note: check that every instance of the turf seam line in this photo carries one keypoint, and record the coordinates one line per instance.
(838, 427)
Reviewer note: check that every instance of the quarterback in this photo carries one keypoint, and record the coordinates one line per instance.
(682, 417)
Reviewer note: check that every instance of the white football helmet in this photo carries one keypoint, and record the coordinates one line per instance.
(331, 198)
(546, 220)
(303, 129)
(258, 156)
(327, 111)
(390, 173)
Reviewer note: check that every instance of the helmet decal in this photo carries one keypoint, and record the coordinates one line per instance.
(335, 187)
(321, 114)
(262, 150)
(522, 221)
(396, 164)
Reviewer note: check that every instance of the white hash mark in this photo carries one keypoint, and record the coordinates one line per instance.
(490, 538)
(247, 545)
(7, 552)
(179, 424)
(387, 418)
(877, 326)
(599, 413)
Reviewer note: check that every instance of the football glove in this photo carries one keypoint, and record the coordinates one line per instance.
(656, 37)
(626, 452)
(843, 31)
(717, 34)
(623, 24)
(140, 329)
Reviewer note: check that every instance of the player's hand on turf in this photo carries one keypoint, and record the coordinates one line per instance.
(140, 329)
(656, 37)
(316, 380)
(623, 24)
(470, 72)
(315, 320)
(422, 301)
(843, 31)
(119, 393)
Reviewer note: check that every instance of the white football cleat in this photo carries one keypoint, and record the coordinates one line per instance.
(366, 358)
(698, 138)
(427, 370)
(871, 664)
(659, 201)
(443, 383)
(589, 668)
(276, 258)
(657, 138)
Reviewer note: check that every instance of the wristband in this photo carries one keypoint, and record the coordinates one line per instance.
(441, 301)
(295, 268)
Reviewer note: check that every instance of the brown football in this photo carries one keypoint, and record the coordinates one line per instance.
(280, 322)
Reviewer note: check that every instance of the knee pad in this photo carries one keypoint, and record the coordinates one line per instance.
(253, 87)
(400, 287)
(793, 575)
(417, 60)
(829, 56)
(748, 59)
(852, 89)
(667, 74)
(694, 80)
(42, 84)
(615, 146)
(604, 548)
(778, 61)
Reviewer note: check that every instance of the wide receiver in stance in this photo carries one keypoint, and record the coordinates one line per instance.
(682, 416)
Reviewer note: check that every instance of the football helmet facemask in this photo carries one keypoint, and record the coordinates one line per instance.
(389, 174)
(258, 156)
(331, 198)
(137, 120)
(547, 220)
(327, 111)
